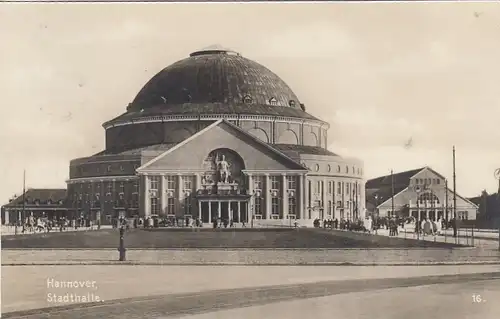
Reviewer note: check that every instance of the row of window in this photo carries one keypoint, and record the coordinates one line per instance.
(347, 169)
(259, 182)
(433, 215)
(427, 181)
(428, 197)
(110, 188)
(171, 183)
(276, 207)
(99, 168)
(37, 202)
(247, 99)
(348, 188)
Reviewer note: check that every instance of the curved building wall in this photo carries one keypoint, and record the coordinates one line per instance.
(275, 132)
(336, 184)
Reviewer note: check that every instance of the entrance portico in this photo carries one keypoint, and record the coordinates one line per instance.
(233, 208)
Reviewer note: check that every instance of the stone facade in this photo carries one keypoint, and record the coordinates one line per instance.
(157, 152)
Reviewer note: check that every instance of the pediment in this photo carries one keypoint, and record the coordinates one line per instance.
(192, 153)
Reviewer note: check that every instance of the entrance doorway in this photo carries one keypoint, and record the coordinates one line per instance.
(225, 210)
(423, 215)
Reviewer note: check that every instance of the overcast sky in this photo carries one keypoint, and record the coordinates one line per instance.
(380, 74)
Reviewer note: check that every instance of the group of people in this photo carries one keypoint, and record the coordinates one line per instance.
(343, 224)
(32, 224)
(425, 227)
(189, 222)
(429, 227)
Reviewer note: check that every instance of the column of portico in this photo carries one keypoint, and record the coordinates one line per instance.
(179, 195)
(306, 198)
(229, 211)
(300, 209)
(199, 209)
(268, 197)
(209, 211)
(163, 196)
(284, 195)
(218, 210)
(147, 206)
(239, 212)
(251, 202)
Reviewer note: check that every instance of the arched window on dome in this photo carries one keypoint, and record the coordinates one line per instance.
(291, 103)
(247, 99)
(273, 101)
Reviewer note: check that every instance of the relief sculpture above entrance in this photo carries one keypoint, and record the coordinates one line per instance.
(223, 166)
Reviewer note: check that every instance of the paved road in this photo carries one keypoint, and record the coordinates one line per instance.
(449, 301)
(168, 306)
(28, 286)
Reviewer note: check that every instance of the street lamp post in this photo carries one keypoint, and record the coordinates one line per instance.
(377, 214)
(121, 248)
(417, 221)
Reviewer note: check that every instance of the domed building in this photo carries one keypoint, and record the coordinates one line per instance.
(217, 135)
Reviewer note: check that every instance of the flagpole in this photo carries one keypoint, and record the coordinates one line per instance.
(455, 195)
(392, 193)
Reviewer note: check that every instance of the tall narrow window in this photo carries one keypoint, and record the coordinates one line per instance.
(275, 182)
(155, 207)
(171, 183)
(275, 206)
(258, 205)
(188, 182)
(170, 206)
(154, 182)
(292, 182)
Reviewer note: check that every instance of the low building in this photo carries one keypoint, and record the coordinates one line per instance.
(38, 202)
(421, 193)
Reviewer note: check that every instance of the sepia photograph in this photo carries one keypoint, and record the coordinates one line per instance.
(250, 160)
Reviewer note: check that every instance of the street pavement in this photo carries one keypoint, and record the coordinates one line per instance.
(251, 256)
(216, 297)
(455, 301)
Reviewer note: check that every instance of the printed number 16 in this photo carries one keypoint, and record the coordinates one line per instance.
(476, 298)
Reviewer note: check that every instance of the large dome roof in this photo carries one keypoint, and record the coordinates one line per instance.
(217, 76)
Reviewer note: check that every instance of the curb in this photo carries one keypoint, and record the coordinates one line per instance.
(244, 249)
(201, 264)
